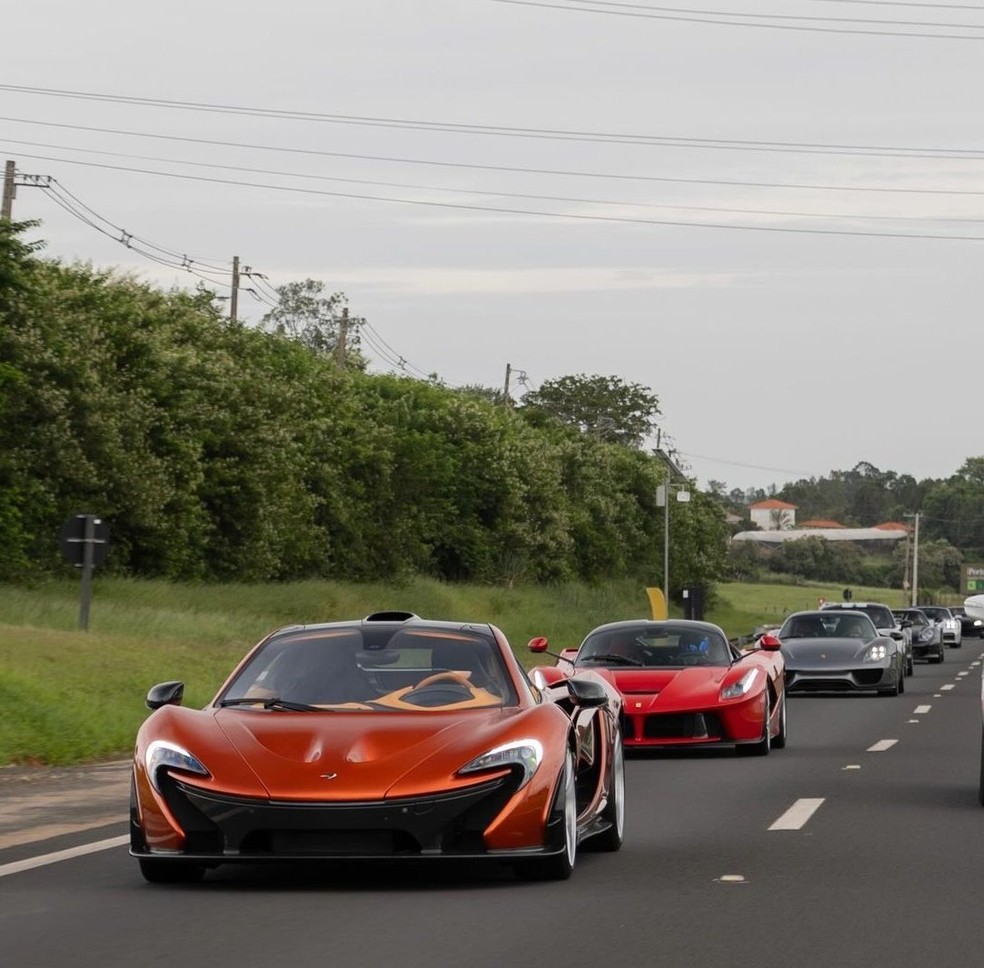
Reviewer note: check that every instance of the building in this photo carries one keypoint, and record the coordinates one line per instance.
(773, 515)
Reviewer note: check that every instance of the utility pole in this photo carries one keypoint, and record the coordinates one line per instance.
(505, 391)
(234, 297)
(915, 562)
(343, 326)
(9, 172)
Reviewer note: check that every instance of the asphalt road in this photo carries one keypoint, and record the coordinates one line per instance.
(858, 845)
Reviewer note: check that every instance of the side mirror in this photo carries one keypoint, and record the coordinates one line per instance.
(165, 694)
(770, 643)
(587, 692)
(538, 644)
(907, 624)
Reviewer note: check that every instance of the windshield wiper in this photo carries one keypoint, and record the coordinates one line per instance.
(273, 703)
(610, 657)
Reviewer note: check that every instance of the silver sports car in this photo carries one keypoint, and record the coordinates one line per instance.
(840, 651)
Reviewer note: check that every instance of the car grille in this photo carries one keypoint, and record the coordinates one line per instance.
(229, 826)
(673, 726)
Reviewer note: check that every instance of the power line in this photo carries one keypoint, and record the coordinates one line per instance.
(494, 168)
(850, 216)
(512, 131)
(489, 209)
(783, 22)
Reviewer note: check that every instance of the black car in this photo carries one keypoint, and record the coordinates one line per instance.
(968, 624)
(927, 635)
(884, 619)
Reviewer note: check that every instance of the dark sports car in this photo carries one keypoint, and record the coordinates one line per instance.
(683, 684)
(388, 737)
(840, 651)
(927, 635)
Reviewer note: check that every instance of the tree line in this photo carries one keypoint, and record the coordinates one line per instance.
(216, 450)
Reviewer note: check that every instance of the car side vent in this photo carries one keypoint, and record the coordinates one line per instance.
(390, 617)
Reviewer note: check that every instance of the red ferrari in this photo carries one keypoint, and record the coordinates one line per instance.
(388, 737)
(683, 684)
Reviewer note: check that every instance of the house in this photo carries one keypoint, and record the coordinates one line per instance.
(773, 515)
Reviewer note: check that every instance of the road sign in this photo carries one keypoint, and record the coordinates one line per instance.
(73, 540)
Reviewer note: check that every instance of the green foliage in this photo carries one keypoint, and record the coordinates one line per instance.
(604, 406)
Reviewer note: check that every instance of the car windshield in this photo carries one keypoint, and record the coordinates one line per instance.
(880, 615)
(362, 669)
(936, 613)
(828, 625)
(655, 644)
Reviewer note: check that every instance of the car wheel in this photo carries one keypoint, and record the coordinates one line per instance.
(779, 740)
(560, 866)
(171, 871)
(901, 680)
(762, 747)
(910, 666)
(614, 814)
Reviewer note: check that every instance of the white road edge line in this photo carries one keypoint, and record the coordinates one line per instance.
(920, 710)
(798, 814)
(881, 746)
(949, 685)
(44, 859)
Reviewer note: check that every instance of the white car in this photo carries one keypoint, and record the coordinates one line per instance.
(952, 628)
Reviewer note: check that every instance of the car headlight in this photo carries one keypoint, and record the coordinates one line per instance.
(740, 688)
(878, 652)
(926, 635)
(164, 755)
(524, 753)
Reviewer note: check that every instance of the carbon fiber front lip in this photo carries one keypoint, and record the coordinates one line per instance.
(221, 827)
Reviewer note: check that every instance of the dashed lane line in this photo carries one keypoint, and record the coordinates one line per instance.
(921, 710)
(798, 814)
(881, 746)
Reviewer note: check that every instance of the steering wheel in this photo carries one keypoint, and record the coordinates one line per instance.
(449, 675)
(692, 659)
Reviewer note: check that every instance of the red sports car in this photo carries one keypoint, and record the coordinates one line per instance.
(388, 737)
(683, 684)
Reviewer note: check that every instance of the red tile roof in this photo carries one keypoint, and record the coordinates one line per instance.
(772, 505)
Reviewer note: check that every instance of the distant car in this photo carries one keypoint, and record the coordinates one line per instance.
(387, 737)
(683, 684)
(969, 624)
(840, 651)
(927, 635)
(948, 622)
(884, 620)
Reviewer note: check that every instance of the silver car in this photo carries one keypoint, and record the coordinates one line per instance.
(840, 651)
(947, 621)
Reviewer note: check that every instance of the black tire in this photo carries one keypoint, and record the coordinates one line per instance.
(614, 814)
(170, 871)
(764, 745)
(779, 741)
(910, 666)
(901, 681)
(559, 866)
(892, 690)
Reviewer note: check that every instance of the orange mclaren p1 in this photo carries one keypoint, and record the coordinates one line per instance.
(387, 737)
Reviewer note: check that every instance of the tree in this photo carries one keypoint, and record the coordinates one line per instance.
(604, 406)
(309, 316)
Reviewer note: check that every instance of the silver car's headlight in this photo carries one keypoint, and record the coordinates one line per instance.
(926, 635)
(878, 652)
(162, 754)
(525, 753)
(742, 687)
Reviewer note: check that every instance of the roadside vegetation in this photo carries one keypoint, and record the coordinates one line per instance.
(68, 696)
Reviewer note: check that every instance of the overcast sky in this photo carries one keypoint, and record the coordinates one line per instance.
(770, 214)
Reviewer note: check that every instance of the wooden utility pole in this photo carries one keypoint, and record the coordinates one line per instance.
(505, 391)
(342, 338)
(234, 298)
(9, 173)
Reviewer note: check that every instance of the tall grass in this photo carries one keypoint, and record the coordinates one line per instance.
(68, 696)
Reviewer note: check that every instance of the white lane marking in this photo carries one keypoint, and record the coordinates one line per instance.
(798, 814)
(960, 675)
(731, 879)
(881, 746)
(974, 665)
(920, 710)
(937, 695)
(912, 720)
(949, 685)
(852, 766)
(44, 859)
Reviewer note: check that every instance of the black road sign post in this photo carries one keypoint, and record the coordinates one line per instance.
(84, 543)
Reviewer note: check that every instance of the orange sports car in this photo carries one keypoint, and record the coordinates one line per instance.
(386, 737)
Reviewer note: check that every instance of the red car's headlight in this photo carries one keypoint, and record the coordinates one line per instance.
(742, 687)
